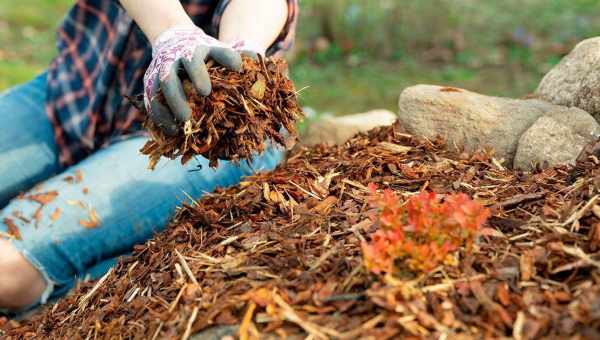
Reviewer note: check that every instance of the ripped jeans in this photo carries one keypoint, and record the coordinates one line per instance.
(62, 238)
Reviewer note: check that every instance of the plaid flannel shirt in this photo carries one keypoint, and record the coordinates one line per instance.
(102, 58)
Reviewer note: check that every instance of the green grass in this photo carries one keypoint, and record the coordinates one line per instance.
(14, 72)
(27, 37)
(341, 89)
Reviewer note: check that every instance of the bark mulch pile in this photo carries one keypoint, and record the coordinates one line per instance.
(280, 255)
(242, 113)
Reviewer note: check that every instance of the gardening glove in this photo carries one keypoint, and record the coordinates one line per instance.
(182, 48)
(249, 49)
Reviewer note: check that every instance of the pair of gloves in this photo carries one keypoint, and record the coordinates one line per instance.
(185, 48)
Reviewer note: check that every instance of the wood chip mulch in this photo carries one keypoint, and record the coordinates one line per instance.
(280, 255)
(242, 113)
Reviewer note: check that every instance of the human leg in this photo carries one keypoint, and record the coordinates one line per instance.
(28, 153)
(130, 202)
(15, 271)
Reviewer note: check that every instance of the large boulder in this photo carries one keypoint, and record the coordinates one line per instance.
(523, 132)
(556, 138)
(333, 130)
(469, 120)
(575, 81)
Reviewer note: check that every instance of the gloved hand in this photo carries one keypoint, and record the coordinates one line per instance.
(184, 48)
(248, 49)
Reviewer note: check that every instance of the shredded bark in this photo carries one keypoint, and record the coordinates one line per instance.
(243, 114)
(12, 229)
(280, 254)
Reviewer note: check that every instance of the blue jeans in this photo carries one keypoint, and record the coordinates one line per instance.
(131, 202)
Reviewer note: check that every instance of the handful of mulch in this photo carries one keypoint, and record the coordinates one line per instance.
(244, 111)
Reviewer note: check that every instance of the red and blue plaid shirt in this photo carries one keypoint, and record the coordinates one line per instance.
(102, 59)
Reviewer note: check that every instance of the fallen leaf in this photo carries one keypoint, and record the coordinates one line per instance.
(13, 230)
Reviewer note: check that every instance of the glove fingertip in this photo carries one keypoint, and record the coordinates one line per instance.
(162, 118)
(250, 54)
(198, 73)
(227, 57)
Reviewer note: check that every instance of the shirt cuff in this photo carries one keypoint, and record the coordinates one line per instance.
(286, 37)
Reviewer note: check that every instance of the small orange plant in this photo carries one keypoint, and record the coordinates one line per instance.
(423, 232)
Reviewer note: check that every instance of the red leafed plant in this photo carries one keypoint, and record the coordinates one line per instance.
(422, 233)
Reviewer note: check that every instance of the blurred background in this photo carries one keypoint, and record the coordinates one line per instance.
(357, 55)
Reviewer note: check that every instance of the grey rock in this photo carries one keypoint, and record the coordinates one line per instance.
(333, 130)
(469, 120)
(575, 81)
(232, 332)
(556, 138)
(216, 333)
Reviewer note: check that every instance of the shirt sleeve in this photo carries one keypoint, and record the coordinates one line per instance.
(286, 37)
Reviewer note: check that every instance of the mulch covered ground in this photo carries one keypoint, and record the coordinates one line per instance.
(281, 254)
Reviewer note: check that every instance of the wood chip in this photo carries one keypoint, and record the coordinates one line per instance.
(12, 228)
(92, 221)
(78, 176)
(43, 198)
(295, 270)
(244, 111)
(55, 215)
